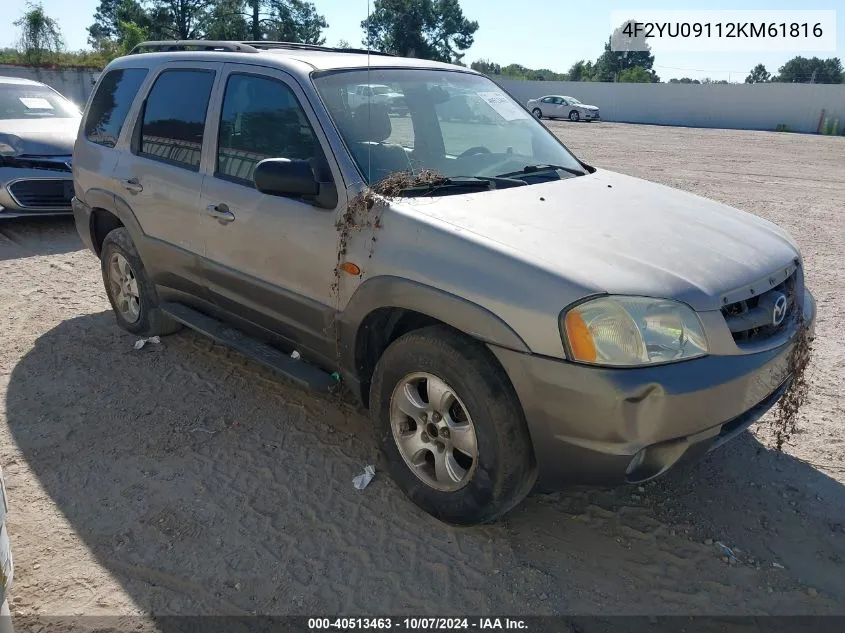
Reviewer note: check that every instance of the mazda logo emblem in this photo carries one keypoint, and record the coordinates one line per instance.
(779, 310)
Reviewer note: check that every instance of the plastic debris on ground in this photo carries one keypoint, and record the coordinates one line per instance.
(727, 551)
(295, 355)
(363, 480)
(143, 341)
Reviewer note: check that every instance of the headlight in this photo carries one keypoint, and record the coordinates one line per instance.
(10, 145)
(629, 331)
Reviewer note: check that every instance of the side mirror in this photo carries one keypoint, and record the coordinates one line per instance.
(284, 177)
(294, 179)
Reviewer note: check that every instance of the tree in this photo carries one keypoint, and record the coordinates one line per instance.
(427, 29)
(629, 52)
(815, 70)
(635, 75)
(40, 34)
(486, 66)
(581, 71)
(758, 75)
(185, 18)
(294, 21)
(227, 20)
(707, 80)
(109, 15)
(684, 80)
(343, 44)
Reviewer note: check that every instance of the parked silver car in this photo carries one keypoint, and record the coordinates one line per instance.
(37, 130)
(506, 311)
(562, 107)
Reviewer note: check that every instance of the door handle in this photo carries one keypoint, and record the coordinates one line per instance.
(132, 185)
(220, 212)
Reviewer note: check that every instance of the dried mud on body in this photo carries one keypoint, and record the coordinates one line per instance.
(182, 478)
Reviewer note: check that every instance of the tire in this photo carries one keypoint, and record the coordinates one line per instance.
(150, 320)
(537, 113)
(574, 116)
(503, 470)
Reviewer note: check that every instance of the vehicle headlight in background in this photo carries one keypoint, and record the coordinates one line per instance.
(622, 331)
(10, 145)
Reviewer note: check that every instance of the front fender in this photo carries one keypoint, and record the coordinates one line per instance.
(396, 292)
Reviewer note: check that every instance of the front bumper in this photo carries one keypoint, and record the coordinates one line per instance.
(588, 424)
(14, 206)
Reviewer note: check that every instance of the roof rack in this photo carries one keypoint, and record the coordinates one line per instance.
(241, 47)
(267, 45)
(200, 45)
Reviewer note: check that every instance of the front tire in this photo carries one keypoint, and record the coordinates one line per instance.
(131, 293)
(450, 427)
(537, 113)
(574, 116)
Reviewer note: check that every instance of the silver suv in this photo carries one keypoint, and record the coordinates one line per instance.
(508, 313)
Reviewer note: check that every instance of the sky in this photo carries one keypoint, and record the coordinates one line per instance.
(549, 34)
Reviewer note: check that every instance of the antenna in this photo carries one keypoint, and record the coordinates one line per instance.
(370, 96)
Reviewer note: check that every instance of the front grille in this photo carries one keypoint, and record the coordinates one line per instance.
(42, 194)
(753, 319)
(50, 163)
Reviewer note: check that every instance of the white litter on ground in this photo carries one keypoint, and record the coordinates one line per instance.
(363, 480)
(143, 341)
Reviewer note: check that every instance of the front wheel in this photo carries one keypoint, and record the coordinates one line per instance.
(537, 113)
(451, 427)
(131, 294)
(574, 116)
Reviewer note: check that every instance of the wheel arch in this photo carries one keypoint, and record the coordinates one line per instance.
(108, 212)
(385, 308)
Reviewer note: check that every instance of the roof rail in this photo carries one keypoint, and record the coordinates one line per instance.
(199, 45)
(311, 47)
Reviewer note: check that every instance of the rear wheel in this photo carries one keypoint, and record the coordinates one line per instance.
(451, 427)
(131, 294)
(537, 113)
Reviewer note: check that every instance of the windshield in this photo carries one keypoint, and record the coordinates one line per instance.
(21, 101)
(453, 123)
(381, 90)
(573, 100)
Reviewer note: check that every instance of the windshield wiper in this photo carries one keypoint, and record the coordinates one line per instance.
(532, 169)
(483, 183)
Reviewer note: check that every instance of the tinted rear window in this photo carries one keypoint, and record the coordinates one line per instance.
(174, 117)
(111, 104)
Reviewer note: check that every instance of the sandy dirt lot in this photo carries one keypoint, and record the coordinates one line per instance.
(184, 479)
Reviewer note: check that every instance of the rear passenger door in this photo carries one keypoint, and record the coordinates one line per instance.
(160, 177)
(271, 259)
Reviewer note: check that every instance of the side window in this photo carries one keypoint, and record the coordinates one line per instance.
(111, 104)
(547, 100)
(261, 118)
(174, 117)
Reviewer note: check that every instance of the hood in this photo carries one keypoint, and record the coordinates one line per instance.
(613, 233)
(584, 106)
(43, 137)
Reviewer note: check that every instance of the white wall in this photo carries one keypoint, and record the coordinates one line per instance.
(74, 83)
(733, 106)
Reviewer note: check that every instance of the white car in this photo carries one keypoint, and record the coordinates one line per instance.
(378, 93)
(562, 107)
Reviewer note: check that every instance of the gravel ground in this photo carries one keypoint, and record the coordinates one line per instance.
(184, 479)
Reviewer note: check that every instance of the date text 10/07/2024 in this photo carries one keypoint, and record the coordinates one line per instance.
(417, 624)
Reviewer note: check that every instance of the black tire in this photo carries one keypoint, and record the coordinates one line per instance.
(505, 471)
(151, 320)
(574, 116)
(537, 113)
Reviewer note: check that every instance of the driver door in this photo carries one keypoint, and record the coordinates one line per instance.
(268, 259)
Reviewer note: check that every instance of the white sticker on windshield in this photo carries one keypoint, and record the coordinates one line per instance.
(506, 108)
(36, 103)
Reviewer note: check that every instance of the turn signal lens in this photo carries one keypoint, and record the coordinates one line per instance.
(580, 339)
